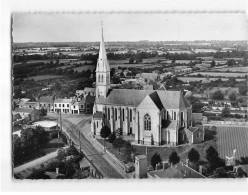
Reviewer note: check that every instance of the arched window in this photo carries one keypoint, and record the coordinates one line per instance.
(102, 78)
(108, 113)
(99, 79)
(115, 114)
(123, 114)
(147, 122)
(130, 115)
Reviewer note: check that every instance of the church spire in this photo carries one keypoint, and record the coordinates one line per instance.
(102, 64)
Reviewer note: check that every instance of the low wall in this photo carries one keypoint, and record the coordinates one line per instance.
(115, 160)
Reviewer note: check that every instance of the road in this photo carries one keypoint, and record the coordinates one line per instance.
(72, 125)
(35, 162)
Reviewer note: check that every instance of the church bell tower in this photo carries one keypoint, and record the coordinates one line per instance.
(102, 71)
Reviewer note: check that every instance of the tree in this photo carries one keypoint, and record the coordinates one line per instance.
(118, 143)
(231, 62)
(131, 60)
(174, 158)
(43, 112)
(155, 160)
(213, 63)
(61, 154)
(193, 155)
(112, 137)
(213, 158)
(218, 95)
(105, 132)
(226, 112)
(243, 89)
(232, 97)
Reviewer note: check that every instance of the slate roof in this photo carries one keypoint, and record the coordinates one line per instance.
(46, 99)
(89, 89)
(133, 97)
(98, 115)
(177, 171)
(63, 101)
(192, 129)
(155, 98)
(197, 116)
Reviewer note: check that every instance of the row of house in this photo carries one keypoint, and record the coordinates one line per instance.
(82, 103)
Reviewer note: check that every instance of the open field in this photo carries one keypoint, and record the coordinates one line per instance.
(113, 62)
(230, 138)
(42, 77)
(179, 51)
(220, 74)
(84, 68)
(233, 69)
(190, 79)
(134, 65)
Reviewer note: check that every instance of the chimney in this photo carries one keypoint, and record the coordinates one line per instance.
(163, 165)
(200, 169)
(187, 162)
(57, 171)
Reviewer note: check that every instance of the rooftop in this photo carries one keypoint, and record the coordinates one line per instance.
(98, 115)
(25, 110)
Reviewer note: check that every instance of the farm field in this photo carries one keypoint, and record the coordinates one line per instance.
(84, 68)
(220, 74)
(179, 51)
(113, 62)
(233, 69)
(134, 65)
(190, 79)
(205, 51)
(230, 138)
(42, 77)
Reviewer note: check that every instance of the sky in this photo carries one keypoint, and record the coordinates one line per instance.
(68, 27)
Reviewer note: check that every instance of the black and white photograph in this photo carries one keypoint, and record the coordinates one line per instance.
(140, 96)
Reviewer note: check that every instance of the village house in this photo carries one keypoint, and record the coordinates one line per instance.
(192, 135)
(63, 105)
(46, 102)
(28, 114)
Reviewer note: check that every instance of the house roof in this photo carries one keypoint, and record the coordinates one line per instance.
(63, 101)
(98, 115)
(25, 110)
(79, 91)
(197, 116)
(46, 99)
(177, 171)
(192, 129)
(170, 124)
(89, 89)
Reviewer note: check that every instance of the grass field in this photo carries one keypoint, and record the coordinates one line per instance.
(220, 74)
(190, 79)
(230, 138)
(85, 68)
(42, 77)
(232, 69)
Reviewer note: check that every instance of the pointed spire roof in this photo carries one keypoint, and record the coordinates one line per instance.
(102, 63)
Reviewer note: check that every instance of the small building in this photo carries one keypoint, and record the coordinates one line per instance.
(148, 76)
(28, 114)
(97, 126)
(46, 102)
(180, 170)
(63, 105)
(197, 118)
(193, 135)
(89, 91)
(140, 166)
(89, 103)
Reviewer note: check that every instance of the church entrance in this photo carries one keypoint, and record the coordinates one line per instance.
(130, 130)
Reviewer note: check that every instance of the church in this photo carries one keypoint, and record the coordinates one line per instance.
(154, 117)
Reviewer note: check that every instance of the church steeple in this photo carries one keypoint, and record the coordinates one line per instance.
(102, 70)
(102, 64)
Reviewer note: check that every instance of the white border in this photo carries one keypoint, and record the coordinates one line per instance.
(10, 6)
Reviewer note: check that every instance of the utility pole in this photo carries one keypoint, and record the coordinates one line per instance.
(79, 141)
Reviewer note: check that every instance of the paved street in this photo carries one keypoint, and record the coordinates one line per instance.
(72, 125)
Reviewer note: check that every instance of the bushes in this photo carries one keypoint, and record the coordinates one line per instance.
(155, 160)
